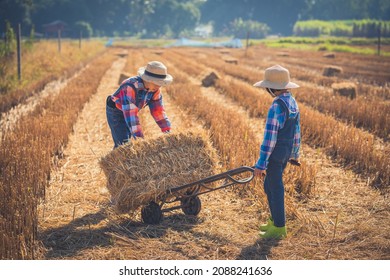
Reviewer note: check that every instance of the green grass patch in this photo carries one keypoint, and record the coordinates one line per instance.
(366, 46)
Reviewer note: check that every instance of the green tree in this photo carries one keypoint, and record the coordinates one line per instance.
(347, 9)
(174, 17)
(240, 29)
(279, 15)
(82, 28)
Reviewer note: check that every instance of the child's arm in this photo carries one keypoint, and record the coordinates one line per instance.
(157, 110)
(297, 140)
(274, 118)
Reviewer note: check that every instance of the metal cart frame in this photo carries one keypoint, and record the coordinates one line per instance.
(188, 194)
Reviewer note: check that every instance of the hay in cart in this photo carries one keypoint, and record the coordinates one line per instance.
(145, 170)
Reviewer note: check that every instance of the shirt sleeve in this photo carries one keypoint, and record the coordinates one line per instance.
(297, 139)
(125, 100)
(157, 111)
(275, 118)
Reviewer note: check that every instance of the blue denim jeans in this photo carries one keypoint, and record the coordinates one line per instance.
(119, 130)
(273, 182)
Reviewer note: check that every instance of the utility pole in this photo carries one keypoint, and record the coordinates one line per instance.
(59, 40)
(247, 43)
(81, 36)
(379, 39)
(19, 51)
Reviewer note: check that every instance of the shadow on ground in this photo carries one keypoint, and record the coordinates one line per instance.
(87, 232)
(99, 230)
(260, 250)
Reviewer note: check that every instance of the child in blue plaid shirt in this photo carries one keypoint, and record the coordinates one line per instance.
(282, 137)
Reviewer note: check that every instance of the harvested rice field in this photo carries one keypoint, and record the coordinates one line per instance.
(337, 202)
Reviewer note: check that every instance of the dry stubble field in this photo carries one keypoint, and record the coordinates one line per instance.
(337, 204)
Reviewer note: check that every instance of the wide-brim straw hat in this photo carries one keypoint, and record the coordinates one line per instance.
(276, 77)
(156, 73)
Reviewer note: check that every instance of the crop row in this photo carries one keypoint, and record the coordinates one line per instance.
(27, 155)
(349, 145)
(372, 114)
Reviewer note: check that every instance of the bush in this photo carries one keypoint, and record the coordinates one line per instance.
(240, 29)
(83, 27)
(8, 47)
(343, 28)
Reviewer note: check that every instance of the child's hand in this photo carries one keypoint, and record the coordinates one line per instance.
(294, 162)
(259, 172)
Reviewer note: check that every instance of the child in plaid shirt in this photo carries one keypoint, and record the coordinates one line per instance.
(282, 137)
(135, 93)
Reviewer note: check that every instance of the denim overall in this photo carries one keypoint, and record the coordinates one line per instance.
(119, 129)
(273, 182)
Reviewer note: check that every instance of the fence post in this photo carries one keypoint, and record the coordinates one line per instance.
(247, 43)
(81, 36)
(379, 39)
(19, 51)
(59, 40)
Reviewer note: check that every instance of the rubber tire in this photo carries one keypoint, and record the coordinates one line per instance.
(151, 214)
(191, 206)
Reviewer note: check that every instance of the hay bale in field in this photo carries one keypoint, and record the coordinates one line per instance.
(285, 54)
(123, 77)
(210, 79)
(329, 55)
(144, 171)
(331, 70)
(345, 89)
(229, 59)
(122, 54)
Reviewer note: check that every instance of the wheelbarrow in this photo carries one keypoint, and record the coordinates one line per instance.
(188, 194)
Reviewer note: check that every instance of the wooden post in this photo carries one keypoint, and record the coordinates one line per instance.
(59, 40)
(247, 42)
(81, 36)
(19, 51)
(379, 39)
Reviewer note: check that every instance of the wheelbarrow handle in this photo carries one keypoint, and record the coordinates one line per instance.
(214, 178)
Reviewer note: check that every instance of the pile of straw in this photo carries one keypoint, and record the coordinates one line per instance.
(331, 70)
(145, 170)
(346, 89)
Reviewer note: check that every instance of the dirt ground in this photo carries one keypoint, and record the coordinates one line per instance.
(76, 221)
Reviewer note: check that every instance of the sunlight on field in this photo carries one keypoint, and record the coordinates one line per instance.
(46, 58)
(333, 201)
(357, 45)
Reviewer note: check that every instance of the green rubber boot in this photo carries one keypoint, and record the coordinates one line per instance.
(265, 227)
(274, 232)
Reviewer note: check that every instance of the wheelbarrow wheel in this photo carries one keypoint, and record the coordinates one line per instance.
(151, 213)
(191, 205)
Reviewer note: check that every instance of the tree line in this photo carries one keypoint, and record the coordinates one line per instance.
(176, 18)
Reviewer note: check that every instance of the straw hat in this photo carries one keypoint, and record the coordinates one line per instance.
(276, 77)
(156, 73)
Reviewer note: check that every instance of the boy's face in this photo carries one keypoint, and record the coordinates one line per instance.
(151, 87)
(271, 92)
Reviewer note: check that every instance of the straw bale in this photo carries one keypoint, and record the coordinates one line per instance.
(225, 52)
(123, 77)
(345, 89)
(122, 54)
(285, 54)
(230, 59)
(331, 70)
(145, 170)
(210, 79)
(329, 55)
